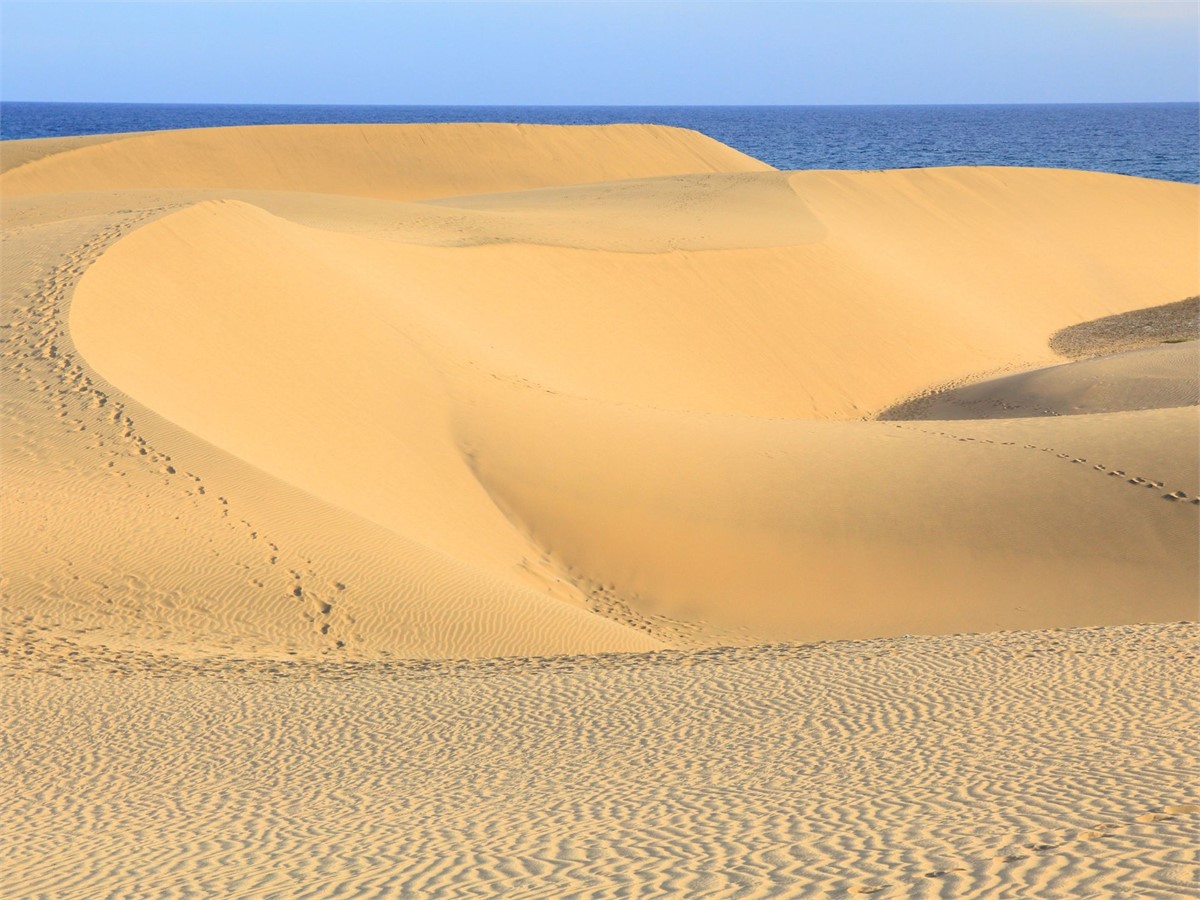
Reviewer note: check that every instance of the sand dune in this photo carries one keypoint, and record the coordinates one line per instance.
(609, 413)
(399, 162)
(294, 415)
(826, 530)
(799, 342)
(594, 416)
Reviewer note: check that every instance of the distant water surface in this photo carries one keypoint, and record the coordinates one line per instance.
(1155, 140)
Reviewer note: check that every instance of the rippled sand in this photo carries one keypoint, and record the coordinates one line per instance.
(1026, 764)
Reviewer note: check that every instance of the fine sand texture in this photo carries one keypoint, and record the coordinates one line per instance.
(625, 422)
(1049, 764)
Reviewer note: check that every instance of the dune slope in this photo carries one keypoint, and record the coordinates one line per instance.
(1150, 378)
(642, 422)
(399, 162)
(583, 415)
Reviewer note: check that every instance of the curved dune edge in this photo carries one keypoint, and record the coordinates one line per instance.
(397, 162)
(621, 431)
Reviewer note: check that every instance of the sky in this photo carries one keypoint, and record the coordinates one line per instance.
(620, 53)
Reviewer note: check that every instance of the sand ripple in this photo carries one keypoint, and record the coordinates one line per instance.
(1025, 764)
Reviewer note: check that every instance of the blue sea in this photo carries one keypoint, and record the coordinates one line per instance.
(1155, 140)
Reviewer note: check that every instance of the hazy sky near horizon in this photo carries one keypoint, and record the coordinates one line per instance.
(601, 52)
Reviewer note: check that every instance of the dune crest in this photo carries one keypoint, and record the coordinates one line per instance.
(397, 162)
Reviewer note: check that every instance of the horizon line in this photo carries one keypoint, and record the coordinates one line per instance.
(599, 105)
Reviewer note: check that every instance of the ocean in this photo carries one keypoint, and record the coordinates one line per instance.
(1154, 140)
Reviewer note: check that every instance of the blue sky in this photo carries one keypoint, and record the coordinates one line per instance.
(600, 53)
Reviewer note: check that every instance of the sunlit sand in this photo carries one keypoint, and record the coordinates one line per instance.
(623, 422)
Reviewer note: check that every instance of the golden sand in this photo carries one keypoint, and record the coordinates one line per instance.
(283, 405)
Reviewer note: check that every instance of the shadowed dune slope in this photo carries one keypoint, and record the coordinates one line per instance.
(1149, 378)
(1166, 323)
(399, 162)
(609, 411)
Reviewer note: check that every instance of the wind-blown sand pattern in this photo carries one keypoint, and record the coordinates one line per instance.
(1025, 764)
(624, 421)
